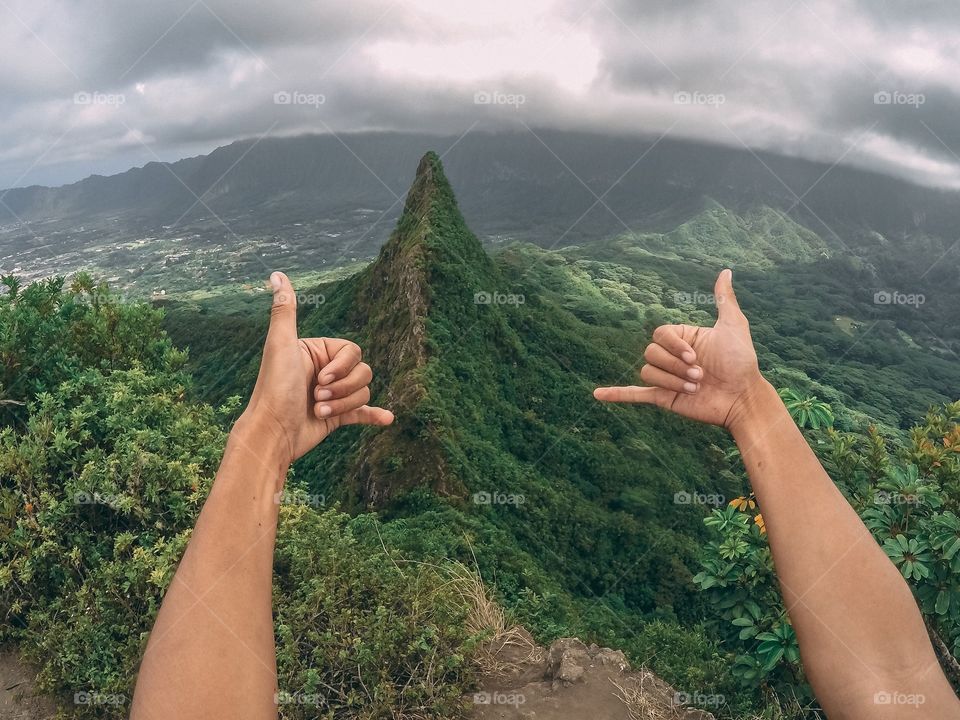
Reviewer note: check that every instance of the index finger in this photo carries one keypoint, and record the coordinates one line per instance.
(658, 396)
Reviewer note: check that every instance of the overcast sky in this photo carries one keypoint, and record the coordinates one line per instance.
(100, 85)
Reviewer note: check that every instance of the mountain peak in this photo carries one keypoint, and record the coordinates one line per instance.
(424, 282)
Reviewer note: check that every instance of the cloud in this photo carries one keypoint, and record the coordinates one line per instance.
(98, 86)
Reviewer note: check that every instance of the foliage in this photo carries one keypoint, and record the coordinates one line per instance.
(807, 412)
(100, 490)
(907, 497)
(49, 333)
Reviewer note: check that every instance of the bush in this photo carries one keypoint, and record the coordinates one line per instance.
(98, 496)
(907, 496)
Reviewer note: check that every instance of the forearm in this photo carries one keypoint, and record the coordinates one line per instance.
(211, 653)
(858, 626)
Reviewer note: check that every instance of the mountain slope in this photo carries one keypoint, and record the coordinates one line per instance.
(497, 434)
(399, 302)
(549, 178)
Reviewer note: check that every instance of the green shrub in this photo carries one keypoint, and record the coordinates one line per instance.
(103, 472)
(906, 495)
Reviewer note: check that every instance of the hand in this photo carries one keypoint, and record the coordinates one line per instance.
(307, 387)
(703, 373)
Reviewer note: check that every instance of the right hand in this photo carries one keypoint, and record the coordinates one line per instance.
(307, 387)
(703, 373)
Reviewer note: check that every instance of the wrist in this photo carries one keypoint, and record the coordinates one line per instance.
(263, 438)
(755, 409)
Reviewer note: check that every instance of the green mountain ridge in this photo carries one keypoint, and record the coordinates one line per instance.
(496, 428)
(501, 458)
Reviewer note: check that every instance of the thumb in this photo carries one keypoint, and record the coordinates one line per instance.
(728, 309)
(283, 313)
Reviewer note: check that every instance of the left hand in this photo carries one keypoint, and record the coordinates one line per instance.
(308, 387)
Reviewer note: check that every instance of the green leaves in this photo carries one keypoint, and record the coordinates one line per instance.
(807, 412)
(906, 497)
(911, 556)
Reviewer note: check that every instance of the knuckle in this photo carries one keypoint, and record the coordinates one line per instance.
(281, 307)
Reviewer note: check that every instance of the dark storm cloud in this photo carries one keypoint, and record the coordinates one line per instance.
(169, 78)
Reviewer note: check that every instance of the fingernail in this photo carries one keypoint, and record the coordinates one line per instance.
(690, 387)
(689, 357)
(324, 395)
(694, 373)
(275, 281)
(325, 410)
(325, 379)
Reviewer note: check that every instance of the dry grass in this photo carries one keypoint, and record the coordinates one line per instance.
(645, 697)
(486, 619)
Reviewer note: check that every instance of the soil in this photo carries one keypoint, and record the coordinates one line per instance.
(18, 700)
(523, 681)
(573, 681)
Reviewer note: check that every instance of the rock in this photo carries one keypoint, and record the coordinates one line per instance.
(571, 681)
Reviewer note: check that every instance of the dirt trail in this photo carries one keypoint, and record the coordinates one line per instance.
(573, 681)
(17, 698)
(567, 681)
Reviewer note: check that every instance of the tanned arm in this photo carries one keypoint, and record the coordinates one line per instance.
(211, 654)
(862, 639)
